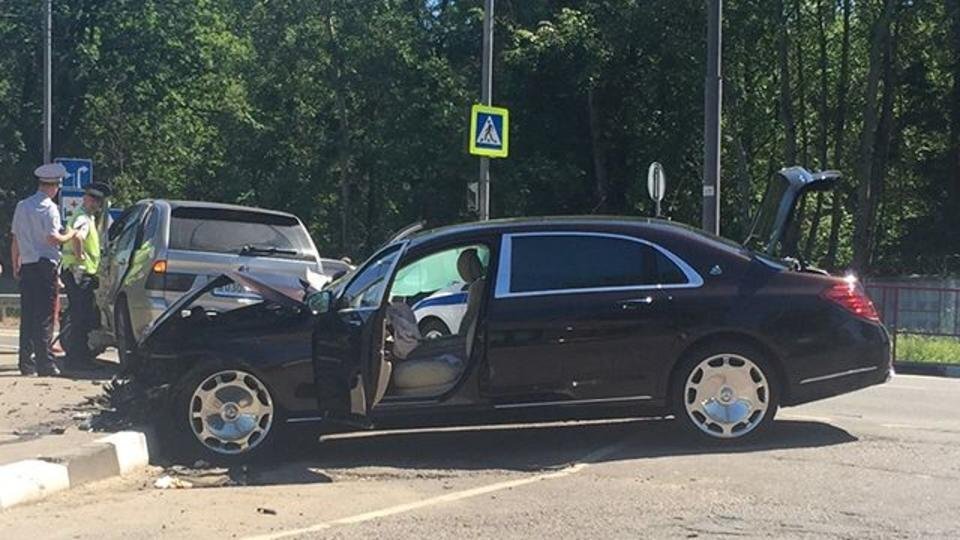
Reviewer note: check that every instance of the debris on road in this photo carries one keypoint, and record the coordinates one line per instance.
(266, 511)
(202, 477)
(169, 482)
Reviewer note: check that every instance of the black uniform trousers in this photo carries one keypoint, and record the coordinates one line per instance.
(83, 314)
(38, 296)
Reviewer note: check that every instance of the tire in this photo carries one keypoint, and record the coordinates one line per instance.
(242, 429)
(433, 328)
(726, 392)
(123, 328)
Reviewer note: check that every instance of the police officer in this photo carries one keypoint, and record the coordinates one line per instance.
(81, 260)
(34, 253)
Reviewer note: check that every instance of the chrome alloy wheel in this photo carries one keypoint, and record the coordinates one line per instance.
(726, 396)
(231, 412)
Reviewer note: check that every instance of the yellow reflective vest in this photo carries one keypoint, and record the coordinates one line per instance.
(91, 247)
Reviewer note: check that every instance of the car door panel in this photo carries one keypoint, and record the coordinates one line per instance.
(138, 267)
(351, 371)
(521, 348)
(118, 249)
(590, 340)
(584, 346)
(341, 339)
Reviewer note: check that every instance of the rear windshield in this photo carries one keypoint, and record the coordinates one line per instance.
(232, 231)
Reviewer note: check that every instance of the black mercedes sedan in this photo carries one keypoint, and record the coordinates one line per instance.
(586, 316)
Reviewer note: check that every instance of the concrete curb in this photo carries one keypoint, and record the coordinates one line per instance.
(920, 368)
(34, 479)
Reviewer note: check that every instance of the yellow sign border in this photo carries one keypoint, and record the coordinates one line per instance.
(505, 136)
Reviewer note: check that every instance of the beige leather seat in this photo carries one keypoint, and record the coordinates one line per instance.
(436, 364)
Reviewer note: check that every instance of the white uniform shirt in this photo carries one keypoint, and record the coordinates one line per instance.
(34, 220)
(82, 225)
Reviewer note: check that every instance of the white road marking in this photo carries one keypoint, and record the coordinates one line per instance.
(902, 387)
(805, 418)
(596, 455)
(900, 426)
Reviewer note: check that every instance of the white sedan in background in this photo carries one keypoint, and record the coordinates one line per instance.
(440, 313)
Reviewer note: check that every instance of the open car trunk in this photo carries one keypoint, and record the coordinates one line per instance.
(778, 208)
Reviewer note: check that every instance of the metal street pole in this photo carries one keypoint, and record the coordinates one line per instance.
(47, 83)
(487, 99)
(711, 124)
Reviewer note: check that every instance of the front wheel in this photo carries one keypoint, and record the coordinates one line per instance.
(223, 414)
(726, 392)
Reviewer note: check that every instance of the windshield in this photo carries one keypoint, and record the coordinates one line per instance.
(239, 232)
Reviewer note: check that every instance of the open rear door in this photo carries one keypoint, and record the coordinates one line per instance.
(352, 370)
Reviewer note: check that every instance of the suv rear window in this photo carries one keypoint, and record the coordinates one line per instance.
(232, 231)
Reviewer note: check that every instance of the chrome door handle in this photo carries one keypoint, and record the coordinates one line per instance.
(635, 303)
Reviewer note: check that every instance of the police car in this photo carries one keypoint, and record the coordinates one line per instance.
(440, 314)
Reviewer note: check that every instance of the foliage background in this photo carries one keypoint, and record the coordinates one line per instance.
(352, 113)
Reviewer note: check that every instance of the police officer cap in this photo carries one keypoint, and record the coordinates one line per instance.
(98, 190)
(51, 173)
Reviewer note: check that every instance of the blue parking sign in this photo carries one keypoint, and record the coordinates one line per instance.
(79, 171)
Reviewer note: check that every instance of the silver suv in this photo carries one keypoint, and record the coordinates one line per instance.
(159, 249)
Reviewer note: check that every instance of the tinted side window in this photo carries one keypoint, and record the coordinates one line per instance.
(667, 273)
(125, 221)
(557, 262)
(126, 236)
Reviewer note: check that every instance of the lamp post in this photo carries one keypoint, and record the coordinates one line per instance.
(47, 83)
(711, 122)
(486, 96)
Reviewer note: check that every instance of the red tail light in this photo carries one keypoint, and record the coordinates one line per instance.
(850, 296)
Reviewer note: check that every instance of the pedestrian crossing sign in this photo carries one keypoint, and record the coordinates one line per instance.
(489, 131)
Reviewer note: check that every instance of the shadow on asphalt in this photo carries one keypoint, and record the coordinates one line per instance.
(99, 371)
(449, 452)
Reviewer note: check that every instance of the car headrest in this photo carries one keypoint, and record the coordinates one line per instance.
(469, 266)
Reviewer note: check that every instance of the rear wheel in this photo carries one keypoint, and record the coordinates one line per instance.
(725, 392)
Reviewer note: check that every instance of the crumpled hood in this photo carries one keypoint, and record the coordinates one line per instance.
(285, 296)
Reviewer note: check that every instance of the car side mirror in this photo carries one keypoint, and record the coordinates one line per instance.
(339, 274)
(320, 302)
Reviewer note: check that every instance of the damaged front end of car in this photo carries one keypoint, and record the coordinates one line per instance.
(266, 336)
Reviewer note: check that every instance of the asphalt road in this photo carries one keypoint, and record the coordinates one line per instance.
(880, 463)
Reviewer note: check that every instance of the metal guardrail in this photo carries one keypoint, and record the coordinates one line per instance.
(10, 303)
(917, 310)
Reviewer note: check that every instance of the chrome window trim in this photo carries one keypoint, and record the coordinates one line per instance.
(840, 374)
(502, 290)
